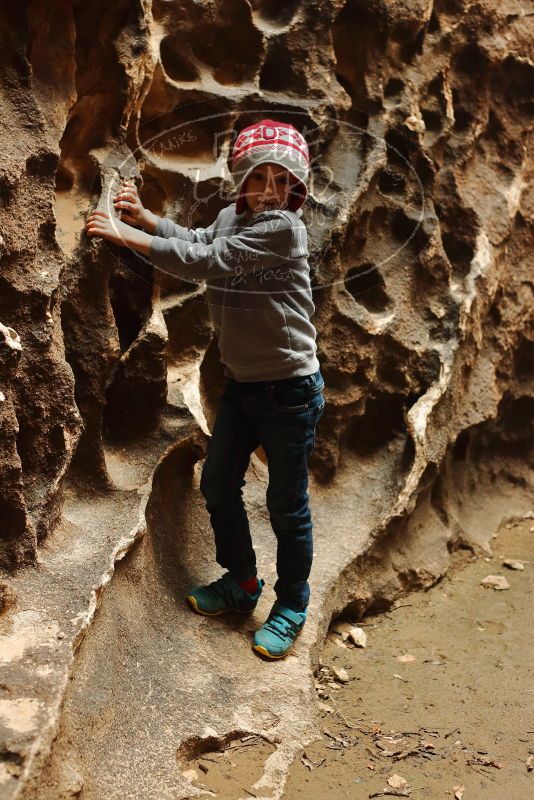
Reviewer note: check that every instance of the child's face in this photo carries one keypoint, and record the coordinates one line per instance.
(268, 186)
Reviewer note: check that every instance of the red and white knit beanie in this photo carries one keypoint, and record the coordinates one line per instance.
(273, 142)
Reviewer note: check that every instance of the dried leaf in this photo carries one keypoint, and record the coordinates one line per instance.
(406, 658)
(458, 792)
(530, 763)
(358, 636)
(306, 761)
(397, 781)
(427, 745)
(338, 739)
(486, 761)
(495, 582)
(400, 677)
(389, 746)
(514, 563)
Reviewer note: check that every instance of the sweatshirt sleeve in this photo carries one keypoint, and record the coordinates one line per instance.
(167, 228)
(265, 243)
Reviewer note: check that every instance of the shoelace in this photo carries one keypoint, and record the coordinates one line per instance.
(275, 624)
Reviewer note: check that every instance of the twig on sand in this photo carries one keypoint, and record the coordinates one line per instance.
(343, 717)
(400, 605)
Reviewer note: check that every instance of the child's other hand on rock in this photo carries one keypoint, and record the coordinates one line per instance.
(127, 200)
(114, 230)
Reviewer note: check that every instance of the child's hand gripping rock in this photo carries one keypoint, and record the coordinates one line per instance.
(127, 200)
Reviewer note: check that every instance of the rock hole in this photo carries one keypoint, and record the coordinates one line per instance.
(435, 87)
(408, 456)
(7, 188)
(130, 297)
(175, 64)
(42, 164)
(393, 87)
(344, 83)
(399, 147)
(459, 252)
(452, 7)
(524, 359)
(494, 127)
(357, 32)
(382, 421)
(432, 119)
(410, 45)
(13, 762)
(433, 23)
(232, 46)
(278, 72)
(390, 181)
(225, 764)
(173, 137)
(275, 13)
(515, 81)
(462, 118)
(471, 60)
(367, 287)
(403, 227)
(460, 446)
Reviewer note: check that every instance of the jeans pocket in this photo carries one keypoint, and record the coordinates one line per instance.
(292, 394)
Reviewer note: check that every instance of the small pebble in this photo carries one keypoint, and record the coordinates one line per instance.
(341, 674)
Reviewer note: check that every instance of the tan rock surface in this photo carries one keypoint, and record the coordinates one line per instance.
(420, 214)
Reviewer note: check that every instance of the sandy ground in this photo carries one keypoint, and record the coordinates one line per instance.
(442, 696)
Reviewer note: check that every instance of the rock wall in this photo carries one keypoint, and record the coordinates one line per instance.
(420, 225)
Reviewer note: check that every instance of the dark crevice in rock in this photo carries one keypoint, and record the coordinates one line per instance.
(393, 87)
(383, 419)
(367, 287)
(275, 13)
(390, 181)
(130, 294)
(280, 72)
(196, 746)
(175, 63)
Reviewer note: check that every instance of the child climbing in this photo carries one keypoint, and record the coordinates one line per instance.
(253, 258)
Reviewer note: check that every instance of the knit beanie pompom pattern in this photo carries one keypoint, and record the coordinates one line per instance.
(269, 141)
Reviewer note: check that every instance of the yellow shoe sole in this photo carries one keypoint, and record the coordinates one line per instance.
(191, 599)
(261, 649)
(194, 605)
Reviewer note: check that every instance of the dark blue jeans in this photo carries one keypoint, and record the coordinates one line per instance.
(281, 415)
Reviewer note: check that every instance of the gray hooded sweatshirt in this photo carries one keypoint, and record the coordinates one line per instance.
(257, 288)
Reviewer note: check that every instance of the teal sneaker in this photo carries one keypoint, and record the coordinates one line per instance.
(224, 594)
(276, 636)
